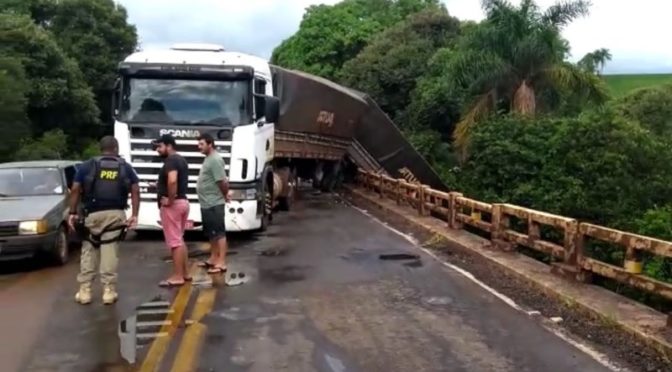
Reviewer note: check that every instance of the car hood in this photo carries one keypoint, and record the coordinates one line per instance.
(27, 207)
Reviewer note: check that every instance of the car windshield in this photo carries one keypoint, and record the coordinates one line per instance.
(30, 182)
(221, 103)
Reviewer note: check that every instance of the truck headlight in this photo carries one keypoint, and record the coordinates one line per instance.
(33, 227)
(244, 194)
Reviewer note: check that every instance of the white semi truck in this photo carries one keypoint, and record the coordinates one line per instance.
(193, 89)
(272, 126)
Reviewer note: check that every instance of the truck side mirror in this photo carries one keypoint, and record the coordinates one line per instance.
(267, 107)
(116, 98)
(272, 109)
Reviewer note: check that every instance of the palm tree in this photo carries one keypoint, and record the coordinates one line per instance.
(515, 54)
(595, 61)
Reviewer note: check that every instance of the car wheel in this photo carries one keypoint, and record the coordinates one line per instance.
(61, 250)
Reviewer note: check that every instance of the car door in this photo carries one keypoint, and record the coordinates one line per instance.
(69, 173)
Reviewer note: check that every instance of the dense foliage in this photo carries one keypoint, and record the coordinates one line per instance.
(329, 36)
(502, 114)
(57, 67)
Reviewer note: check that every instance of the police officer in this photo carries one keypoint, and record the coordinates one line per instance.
(103, 183)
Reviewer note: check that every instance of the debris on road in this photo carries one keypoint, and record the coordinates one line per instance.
(439, 301)
(237, 279)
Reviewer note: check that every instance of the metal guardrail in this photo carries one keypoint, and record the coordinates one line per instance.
(568, 253)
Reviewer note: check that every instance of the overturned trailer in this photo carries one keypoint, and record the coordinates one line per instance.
(322, 120)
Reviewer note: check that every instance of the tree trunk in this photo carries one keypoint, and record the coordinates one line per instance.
(524, 100)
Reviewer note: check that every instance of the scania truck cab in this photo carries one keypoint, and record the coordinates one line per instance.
(189, 90)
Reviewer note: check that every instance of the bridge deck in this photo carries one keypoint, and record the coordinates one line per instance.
(319, 298)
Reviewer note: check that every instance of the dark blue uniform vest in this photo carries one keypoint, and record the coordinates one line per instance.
(107, 185)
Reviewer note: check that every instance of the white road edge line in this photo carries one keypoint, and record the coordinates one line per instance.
(596, 355)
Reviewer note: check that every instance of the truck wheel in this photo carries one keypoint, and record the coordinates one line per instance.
(285, 202)
(267, 213)
(61, 250)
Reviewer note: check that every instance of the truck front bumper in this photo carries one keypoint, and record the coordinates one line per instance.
(238, 216)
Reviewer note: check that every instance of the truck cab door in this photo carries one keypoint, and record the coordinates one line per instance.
(265, 144)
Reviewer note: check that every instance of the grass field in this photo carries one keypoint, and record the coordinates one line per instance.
(623, 84)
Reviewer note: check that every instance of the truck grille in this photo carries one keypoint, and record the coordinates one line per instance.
(9, 229)
(148, 164)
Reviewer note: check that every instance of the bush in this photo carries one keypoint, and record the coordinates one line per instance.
(657, 223)
(52, 145)
(651, 107)
(598, 167)
(91, 150)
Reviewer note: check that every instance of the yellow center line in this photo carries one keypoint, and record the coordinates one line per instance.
(192, 340)
(159, 346)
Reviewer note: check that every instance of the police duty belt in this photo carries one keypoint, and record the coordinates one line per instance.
(96, 239)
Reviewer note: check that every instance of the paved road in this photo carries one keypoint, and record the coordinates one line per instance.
(319, 298)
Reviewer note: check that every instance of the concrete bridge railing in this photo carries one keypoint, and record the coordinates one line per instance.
(564, 240)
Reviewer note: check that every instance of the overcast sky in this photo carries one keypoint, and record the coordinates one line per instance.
(636, 32)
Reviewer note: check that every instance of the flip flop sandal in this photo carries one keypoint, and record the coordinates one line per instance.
(236, 279)
(205, 264)
(188, 279)
(217, 270)
(169, 284)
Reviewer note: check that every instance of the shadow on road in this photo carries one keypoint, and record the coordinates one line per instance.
(29, 265)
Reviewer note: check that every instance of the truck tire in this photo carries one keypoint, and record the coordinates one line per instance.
(267, 208)
(318, 176)
(285, 202)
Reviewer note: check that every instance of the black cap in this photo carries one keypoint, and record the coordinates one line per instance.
(166, 139)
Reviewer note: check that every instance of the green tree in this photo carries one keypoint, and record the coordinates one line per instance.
(41, 11)
(14, 124)
(329, 36)
(595, 61)
(58, 96)
(437, 100)
(517, 56)
(390, 65)
(96, 33)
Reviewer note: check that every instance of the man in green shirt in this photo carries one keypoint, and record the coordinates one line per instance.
(213, 192)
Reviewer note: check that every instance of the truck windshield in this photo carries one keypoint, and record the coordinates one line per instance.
(196, 102)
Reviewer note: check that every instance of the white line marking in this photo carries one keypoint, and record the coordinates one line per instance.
(155, 303)
(154, 312)
(144, 336)
(596, 355)
(153, 323)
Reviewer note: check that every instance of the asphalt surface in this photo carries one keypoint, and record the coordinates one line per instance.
(318, 298)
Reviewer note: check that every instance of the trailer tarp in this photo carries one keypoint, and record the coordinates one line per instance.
(310, 104)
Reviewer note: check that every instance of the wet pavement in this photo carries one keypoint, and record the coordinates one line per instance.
(328, 289)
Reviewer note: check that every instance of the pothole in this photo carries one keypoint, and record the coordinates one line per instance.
(399, 257)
